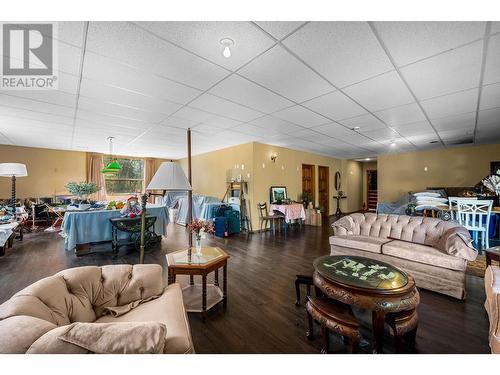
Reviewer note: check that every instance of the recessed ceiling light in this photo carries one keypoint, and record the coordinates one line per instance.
(227, 42)
(368, 159)
(393, 143)
(433, 142)
(356, 128)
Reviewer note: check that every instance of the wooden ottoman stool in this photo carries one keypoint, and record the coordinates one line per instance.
(332, 316)
(404, 325)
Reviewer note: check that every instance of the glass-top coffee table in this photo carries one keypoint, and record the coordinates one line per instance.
(371, 285)
(210, 260)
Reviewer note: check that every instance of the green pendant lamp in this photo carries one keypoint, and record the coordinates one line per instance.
(113, 167)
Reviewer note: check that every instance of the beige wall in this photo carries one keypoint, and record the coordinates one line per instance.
(353, 187)
(48, 170)
(367, 166)
(463, 166)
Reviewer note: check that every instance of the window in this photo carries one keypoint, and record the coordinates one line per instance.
(129, 180)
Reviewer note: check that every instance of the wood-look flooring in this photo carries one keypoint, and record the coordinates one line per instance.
(261, 315)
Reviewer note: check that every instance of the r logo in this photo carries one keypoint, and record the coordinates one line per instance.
(27, 49)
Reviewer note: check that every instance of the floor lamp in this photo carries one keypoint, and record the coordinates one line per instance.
(169, 177)
(13, 170)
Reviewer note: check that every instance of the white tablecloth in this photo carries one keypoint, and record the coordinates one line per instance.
(291, 211)
(5, 232)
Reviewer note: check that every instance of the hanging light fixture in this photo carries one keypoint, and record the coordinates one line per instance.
(113, 166)
(226, 42)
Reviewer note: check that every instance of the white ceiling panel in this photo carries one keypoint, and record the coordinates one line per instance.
(490, 96)
(240, 90)
(214, 104)
(177, 122)
(364, 122)
(103, 70)
(335, 105)
(381, 134)
(102, 121)
(452, 71)
(492, 67)
(411, 41)
(35, 105)
(49, 96)
(279, 125)
(254, 130)
(404, 114)
(193, 114)
(203, 38)
(34, 115)
(139, 49)
(221, 122)
(282, 73)
(454, 104)
(301, 116)
(384, 91)
(495, 27)
(465, 120)
(334, 130)
(207, 129)
(340, 50)
(279, 29)
(414, 129)
(489, 118)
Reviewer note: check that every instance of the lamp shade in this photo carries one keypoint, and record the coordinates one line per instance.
(169, 176)
(13, 169)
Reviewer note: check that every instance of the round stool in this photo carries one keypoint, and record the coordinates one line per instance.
(333, 316)
(404, 325)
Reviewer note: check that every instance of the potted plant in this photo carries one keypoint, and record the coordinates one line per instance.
(82, 190)
(305, 197)
(199, 228)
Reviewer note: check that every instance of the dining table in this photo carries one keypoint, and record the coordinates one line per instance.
(291, 211)
(82, 228)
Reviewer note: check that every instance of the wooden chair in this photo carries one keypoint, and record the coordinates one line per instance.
(265, 218)
(474, 215)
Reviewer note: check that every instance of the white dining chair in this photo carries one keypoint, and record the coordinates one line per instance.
(474, 215)
(452, 205)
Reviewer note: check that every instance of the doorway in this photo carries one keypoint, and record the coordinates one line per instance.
(308, 180)
(324, 190)
(371, 190)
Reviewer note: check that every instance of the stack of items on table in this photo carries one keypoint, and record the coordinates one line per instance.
(227, 221)
(428, 200)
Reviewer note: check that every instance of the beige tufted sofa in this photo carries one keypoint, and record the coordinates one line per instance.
(433, 251)
(492, 305)
(34, 318)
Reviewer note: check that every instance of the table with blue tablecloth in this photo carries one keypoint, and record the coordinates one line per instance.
(84, 227)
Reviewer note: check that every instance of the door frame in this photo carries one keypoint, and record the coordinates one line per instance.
(367, 185)
(326, 210)
(313, 178)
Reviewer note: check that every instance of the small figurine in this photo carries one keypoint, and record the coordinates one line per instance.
(132, 208)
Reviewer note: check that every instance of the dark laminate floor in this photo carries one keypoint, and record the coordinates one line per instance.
(261, 315)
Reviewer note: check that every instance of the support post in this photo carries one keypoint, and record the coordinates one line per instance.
(13, 198)
(190, 192)
(144, 199)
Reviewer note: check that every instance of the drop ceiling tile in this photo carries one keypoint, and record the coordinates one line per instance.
(216, 105)
(193, 114)
(454, 135)
(48, 96)
(490, 96)
(103, 70)
(411, 41)
(254, 130)
(301, 116)
(465, 120)
(492, 66)
(384, 91)
(417, 128)
(273, 123)
(404, 114)
(452, 71)
(279, 29)
(364, 122)
(221, 122)
(334, 130)
(36, 106)
(335, 105)
(340, 51)
(284, 74)
(453, 104)
(177, 122)
(489, 118)
(203, 38)
(207, 129)
(103, 121)
(34, 115)
(141, 50)
(240, 90)
(381, 135)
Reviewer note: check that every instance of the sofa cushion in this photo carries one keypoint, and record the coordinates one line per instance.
(423, 254)
(492, 305)
(19, 332)
(366, 243)
(167, 309)
(50, 343)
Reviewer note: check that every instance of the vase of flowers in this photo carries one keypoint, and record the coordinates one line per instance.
(83, 190)
(199, 228)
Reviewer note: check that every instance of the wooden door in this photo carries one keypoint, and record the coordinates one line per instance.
(324, 190)
(371, 190)
(308, 183)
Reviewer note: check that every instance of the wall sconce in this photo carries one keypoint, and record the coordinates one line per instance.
(274, 156)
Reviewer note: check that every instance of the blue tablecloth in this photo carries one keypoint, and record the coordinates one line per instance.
(81, 227)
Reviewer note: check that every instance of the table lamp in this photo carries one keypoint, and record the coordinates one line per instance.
(13, 170)
(169, 177)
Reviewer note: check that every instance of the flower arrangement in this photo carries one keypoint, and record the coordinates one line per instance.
(492, 183)
(82, 189)
(199, 228)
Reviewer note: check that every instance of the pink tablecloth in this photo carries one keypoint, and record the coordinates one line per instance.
(291, 211)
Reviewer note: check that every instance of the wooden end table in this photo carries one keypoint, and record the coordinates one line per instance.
(371, 285)
(493, 253)
(210, 260)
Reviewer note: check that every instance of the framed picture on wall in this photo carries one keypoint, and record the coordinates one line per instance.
(277, 194)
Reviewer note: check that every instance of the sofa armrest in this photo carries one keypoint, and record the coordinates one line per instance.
(343, 226)
(492, 305)
(457, 241)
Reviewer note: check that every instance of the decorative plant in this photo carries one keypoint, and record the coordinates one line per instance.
(82, 189)
(493, 183)
(199, 228)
